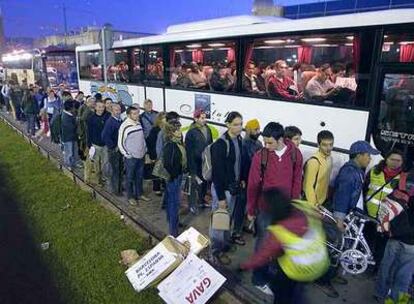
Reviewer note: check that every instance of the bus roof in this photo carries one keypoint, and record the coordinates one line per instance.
(386, 17)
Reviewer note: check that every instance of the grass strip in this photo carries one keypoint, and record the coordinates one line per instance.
(85, 239)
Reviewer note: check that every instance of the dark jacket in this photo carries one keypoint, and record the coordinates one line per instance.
(68, 125)
(30, 105)
(223, 174)
(249, 148)
(152, 142)
(247, 84)
(348, 188)
(147, 120)
(16, 95)
(195, 143)
(217, 83)
(172, 159)
(402, 226)
(110, 132)
(95, 127)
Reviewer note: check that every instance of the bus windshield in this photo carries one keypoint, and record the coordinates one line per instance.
(18, 64)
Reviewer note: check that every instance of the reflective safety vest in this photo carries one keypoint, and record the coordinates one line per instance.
(376, 182)
(305, 257)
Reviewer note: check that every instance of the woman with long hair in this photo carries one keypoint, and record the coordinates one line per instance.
(175, 163)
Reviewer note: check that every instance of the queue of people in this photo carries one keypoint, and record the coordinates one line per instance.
(264, 184)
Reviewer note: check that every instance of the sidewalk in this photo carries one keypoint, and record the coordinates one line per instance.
(152, 215)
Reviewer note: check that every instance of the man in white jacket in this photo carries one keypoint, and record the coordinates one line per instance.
(131, 143)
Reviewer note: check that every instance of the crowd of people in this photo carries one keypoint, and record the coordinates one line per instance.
(263, 186)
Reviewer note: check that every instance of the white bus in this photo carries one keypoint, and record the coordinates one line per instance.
(47, 67)
(23, 66)
(372, 55)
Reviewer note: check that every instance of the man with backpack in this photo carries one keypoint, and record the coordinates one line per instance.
(277, 166)
(226, 185)
(317, 171)
(197, 139)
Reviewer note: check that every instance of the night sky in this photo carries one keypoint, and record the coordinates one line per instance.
(34, 18)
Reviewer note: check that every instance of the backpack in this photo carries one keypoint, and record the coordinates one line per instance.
(263, 162)
(207, 169)
(56, 128)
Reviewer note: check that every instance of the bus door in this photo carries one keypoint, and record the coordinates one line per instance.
(394, 124)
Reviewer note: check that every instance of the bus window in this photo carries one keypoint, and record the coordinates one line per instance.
(118, 68)
(204, 65)
(398, 47)
(137, 64)
(90, 65)
(154, 71)
(309, 68)
(61, 68)
(395, 124)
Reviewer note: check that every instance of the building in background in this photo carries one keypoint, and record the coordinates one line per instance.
(87, 35)
(266, 8)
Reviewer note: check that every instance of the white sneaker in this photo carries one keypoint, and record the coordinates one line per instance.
(144, 198)
(265, 289)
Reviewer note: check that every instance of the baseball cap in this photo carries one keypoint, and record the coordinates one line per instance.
(362, 146)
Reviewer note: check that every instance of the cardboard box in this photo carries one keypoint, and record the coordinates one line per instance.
(194, 240)
(158, 263)
(193, 282)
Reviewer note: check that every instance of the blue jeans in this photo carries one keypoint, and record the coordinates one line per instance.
(30, 124)
(396, 270)
(173, 190)
(260, 275)
(135, 174)
(220, 240)
(70, 154)
(197, 192)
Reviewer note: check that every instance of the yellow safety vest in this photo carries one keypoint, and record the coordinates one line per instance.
(305, 257)
(376, 182)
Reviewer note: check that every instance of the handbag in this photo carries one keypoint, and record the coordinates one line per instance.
(220, 220)
(160, 171)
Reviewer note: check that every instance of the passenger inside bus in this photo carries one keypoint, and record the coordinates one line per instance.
(322, 88)
(197, 77)
(220, 79)
(281, 85)
(251, 82)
